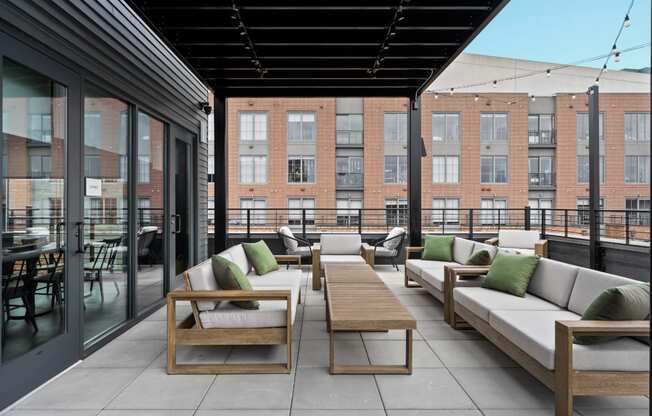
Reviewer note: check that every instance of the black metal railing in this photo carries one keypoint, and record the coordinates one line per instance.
(546, 137)
(349, 179)
(541, 179)
(617, 226)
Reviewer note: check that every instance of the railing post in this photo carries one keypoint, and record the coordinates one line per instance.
(526, 217)
(443, 221)
(543, 222)
(626, 227)
(470, 223)
(359, 221)
(303, 222)
(498, 219)
(248, 224)
(565, 222)
(29, 220)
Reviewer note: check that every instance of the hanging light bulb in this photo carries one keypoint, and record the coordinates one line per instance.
(573, 97)
(627, 22)
(604, 68)
(533, 98)
(452, 91)
(617, 57)
(548, 73)
(494, 84)
(436, 96)
(614, 50)
(597, 81)
(476, 98)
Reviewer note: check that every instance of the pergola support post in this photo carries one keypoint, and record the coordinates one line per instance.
(221, 182)
(415, 149)
(594, 178)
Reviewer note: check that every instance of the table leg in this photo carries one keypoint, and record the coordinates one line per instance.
(408, 350)
(331, 351)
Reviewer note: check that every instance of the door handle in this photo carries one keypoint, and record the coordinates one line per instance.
(80, 237)
(177, 224)
(57, 234)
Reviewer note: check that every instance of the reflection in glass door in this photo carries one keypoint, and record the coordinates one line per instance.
(106, 140)
(182, 206)
(34, 127)
(150, 214)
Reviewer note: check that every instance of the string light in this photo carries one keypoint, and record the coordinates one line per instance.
(533, 98)
(573, 97)
(627, 22)
(604, 68)
(248, 43)
(548, 73)
(495, 83)
(614, 50)
(476, 98)
(452, 91)
(436, 96)
(617, 57)
(391, 33)
(597, 81)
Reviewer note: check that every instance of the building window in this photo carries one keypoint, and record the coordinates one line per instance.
(396, 212)
(296, 206)
(445, 169)
(348, 213)
(493, 127)
(637, 169)
(446, 127)
(301, 169)
(253, 169)
(211, 210)
(395, 169)
(93, 129)
(349, 128)
(396, 127)
(256, 208)
(637, 204)
(92, 166)
(583, 169)
(582, 126)
(637, 127)
(348, 171)
(40, 166)
(144, 211)
(582, 206)
(445, 209)
(540, 171)
(144, 148)
(253, 127)
(493, 211)
(39, 127)
(536, 207)
(540, 128)
(493, 169)
(301, 127)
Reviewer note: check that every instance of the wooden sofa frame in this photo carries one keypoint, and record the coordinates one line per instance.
(366, 252)
(190, 330)
(540, 247)
(564, 380)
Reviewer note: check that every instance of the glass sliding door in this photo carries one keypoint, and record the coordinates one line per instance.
(150, 214)
(106, 254)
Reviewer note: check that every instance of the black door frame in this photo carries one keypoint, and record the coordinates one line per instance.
(47, 360)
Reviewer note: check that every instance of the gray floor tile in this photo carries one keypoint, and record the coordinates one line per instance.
(434, 413)
(393, 353)
(317, 330)
(394, 335)
(427, 313)
(242, 413)
(583, 403)
(314, 313)
(338, 413)
(146, 330)
(154, 389)
(422, 299)
(81, 388)
(441, 330)
(314, 299)
(470, 353)
(315, 388)
(259, 354)
(256, 391)
(50, 413)
(121, 353)
(315, 353)
(203, 354)
(424, 389)
(503, 388)
(132, 412)
(520, 412)
(614, 412)
(182, 312)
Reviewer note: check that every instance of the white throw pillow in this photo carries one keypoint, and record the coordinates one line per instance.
(290, 243)
(393, 244)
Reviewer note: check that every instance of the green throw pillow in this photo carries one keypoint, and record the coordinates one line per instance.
(438, 248)
(230, 277)
(622, 303)
(511, 273)
(480, 258)
(261, 257)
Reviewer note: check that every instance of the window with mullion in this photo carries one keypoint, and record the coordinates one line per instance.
(493, 127)
(395, 169)
(445, 127)
(395, 127)
(301, 169)
(493, 169)
(301, 127)
(253, 127)
(445, 169)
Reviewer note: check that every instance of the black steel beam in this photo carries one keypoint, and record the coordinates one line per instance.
(220, 183)
(414, 170)
(594, 178)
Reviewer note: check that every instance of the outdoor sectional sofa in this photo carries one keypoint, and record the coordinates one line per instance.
(216, 321)
(538, 330)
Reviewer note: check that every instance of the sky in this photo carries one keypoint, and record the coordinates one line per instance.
(567, 31)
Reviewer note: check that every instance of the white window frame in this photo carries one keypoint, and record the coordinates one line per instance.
(258, 128)
(447, 137)
(302, 159)
(303, 117)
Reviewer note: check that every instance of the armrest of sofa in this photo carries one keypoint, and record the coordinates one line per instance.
(493, 241)
(451, 275)
(195, 295)
(288, 259)
(368, 253)
(541, 248)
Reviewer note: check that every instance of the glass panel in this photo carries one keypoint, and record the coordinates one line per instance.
(34, 110)
(150, 216)
(105, 213)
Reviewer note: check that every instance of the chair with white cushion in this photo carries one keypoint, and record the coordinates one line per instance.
(521, 242)
(337, 248)
(294, 245)
(388, 246)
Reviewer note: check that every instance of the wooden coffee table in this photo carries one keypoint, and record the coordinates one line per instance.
(358, 300)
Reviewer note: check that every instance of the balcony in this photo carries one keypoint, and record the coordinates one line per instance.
(349, 181)
(541, 181)
(541, 138)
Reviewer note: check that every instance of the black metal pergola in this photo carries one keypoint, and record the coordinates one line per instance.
(318, 48)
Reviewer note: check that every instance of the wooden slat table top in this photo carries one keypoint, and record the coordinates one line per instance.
(362, 302)
(351, 273)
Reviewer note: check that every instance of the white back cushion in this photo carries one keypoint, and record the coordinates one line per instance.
(340, 243)
(517, 238)
(202, 278)
(393, 244)
(589, 284)
(553, 281)
(237, 255)
(462, 250)
(289, 243)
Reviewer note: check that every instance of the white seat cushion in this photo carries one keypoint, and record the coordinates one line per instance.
(433, 272)
(271, 314)
(416, 265)
(534, 333)
(303, 251)
(340, 259)
(202, 278)
(481, 301)
(280, 277)
(340, 244)
(518, 238)
(384, 252)
(462, 249)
